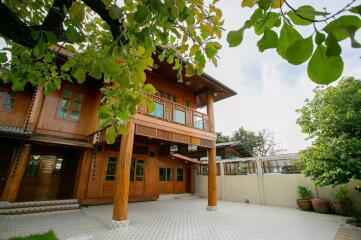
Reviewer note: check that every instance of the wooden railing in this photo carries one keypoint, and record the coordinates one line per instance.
(174, 112)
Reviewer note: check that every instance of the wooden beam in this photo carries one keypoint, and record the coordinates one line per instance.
(121, 191)
(35, 109)
(212, 165)
(16, 174)
(82, 175)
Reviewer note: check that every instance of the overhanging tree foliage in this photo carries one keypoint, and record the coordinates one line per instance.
(332, 119)
(278, 22)
(113, 43)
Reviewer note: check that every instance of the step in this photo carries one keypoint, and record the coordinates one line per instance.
(174, 196)
(10, 205)
(38, 209)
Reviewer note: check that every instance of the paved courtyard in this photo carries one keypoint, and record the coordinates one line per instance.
(185, 218)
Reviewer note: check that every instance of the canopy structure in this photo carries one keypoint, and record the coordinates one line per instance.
(184, 158)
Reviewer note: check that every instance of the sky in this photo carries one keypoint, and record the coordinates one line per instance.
(269, 88)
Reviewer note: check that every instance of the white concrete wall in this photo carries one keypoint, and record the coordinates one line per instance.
(270, 189)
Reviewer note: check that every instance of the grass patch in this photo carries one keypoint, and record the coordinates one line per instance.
(45, 236)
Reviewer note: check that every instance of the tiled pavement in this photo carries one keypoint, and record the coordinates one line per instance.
(180, 219)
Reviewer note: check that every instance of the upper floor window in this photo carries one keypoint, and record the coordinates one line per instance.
(158, 110)
(70, 104)
(179, 116)
(7, 100)
(197, 122)
(165, 95)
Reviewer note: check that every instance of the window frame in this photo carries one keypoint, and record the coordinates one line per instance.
(72, 101)
(133, 163)
(4, 95)
(106, 170)
(180, 168)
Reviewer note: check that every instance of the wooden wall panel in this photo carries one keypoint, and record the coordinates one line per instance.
(164, 85)
(50, 123)
(17, 116)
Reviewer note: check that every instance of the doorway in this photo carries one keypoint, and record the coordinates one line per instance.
(50, 174)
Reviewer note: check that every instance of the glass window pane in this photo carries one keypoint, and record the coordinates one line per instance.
(132, 170)
(33, 166)
(179, 174)
(67, 93)
(79, 96)
(75, 116)
(76, 106)
(198, 122)
(158, 110)
(139, 168)
(63, 113)
(162, 173)
(179, 116)
(8, 107)
(57, 167)
(111, 168)
(169, 174)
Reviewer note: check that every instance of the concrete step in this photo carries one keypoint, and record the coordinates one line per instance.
(174, 196)
(38, 209)
(12, 205)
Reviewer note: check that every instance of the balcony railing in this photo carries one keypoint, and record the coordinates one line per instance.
(174, 112)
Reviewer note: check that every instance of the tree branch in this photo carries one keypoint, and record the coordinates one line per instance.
(100, 8)
(13, 28)
(54, 20)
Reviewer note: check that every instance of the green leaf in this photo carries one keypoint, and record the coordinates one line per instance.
(210, 49)
(356, 9)
(248, 3)
(320, 38)
(110, 135)
(79, 74)
(269, 40)
(141, 14)
(323, 69)
(333, 48)
(288, 36)
(234, 38)
(269, 21)
(115, 12)
(3, 57)
(193, 50)
(264, 4)
(149, 89)
(300, 51)
(340, 27)
(304, 11)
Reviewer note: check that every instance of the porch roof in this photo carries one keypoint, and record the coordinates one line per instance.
(182, 157)
(6, 130)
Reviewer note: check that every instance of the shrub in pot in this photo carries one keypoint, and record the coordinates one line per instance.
(343, 204)
(305, 196)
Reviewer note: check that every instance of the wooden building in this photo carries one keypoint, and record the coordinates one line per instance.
(51, 149)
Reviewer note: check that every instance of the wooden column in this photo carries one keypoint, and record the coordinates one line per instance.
(16, 174)
(212, 165)
(82, 175)
(121, 191)
(35, 109)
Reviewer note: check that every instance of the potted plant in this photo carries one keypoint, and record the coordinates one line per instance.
(343, 205)
(320, 205)
(305, 196)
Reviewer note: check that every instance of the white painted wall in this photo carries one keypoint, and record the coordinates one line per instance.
(270, 189)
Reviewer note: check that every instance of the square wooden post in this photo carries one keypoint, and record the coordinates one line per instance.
(121, 191)
(16, 173)
(212, 165)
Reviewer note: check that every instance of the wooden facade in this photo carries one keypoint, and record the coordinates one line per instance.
(50, 147)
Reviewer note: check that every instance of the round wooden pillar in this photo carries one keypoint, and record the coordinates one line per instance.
(121, 191)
